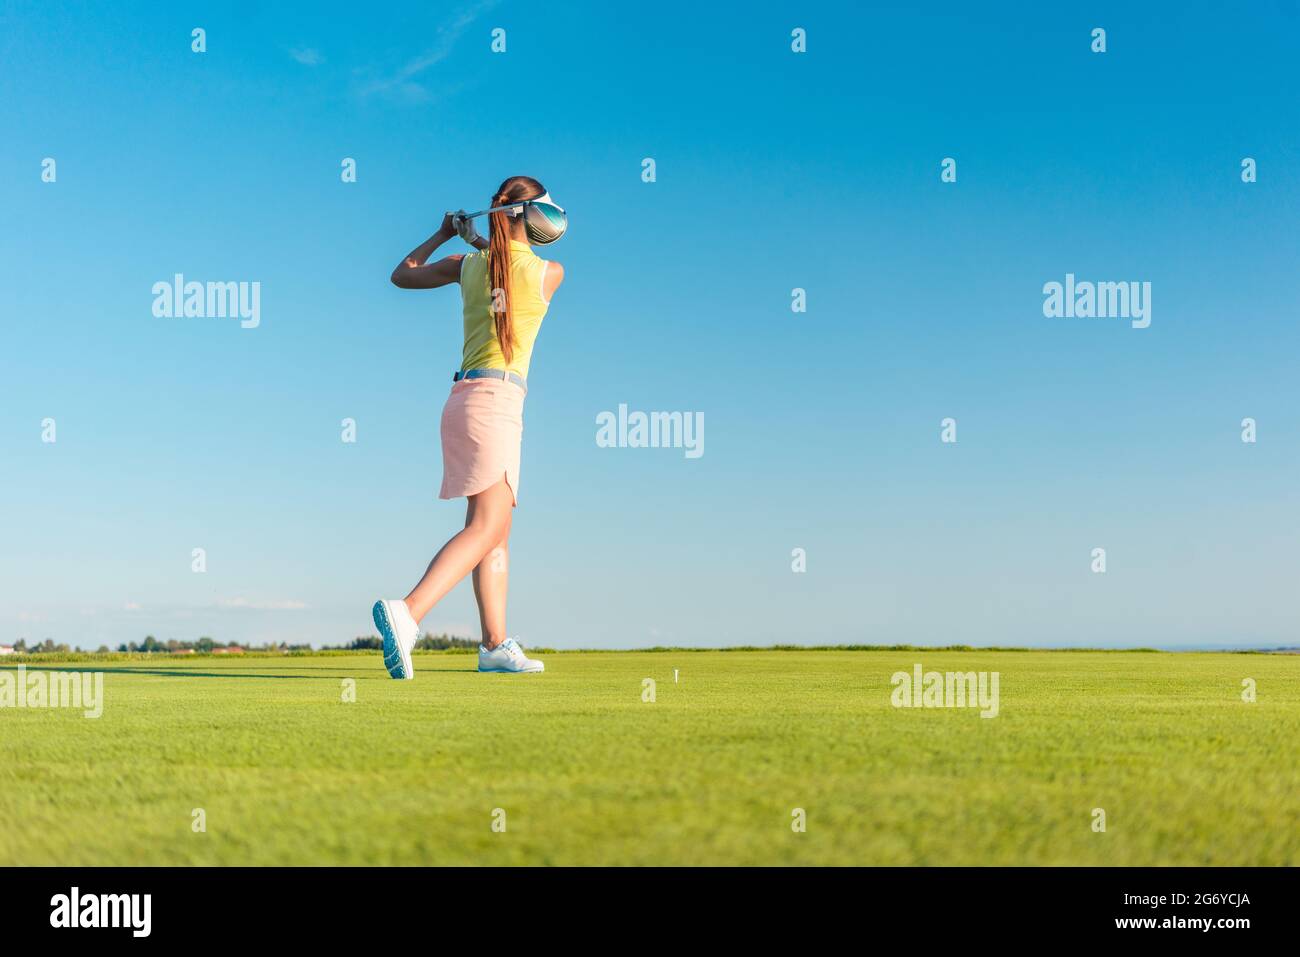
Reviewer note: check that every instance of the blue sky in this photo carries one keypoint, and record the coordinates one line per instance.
(775, 170)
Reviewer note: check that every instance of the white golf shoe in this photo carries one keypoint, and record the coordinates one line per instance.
(400, 633)
(507, 657)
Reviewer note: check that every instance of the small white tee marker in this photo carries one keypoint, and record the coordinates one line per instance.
(674, 676)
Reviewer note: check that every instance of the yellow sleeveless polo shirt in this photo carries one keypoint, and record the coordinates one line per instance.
(527, 309)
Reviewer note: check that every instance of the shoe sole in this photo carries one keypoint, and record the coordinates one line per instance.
(507, 671)
(397, 662)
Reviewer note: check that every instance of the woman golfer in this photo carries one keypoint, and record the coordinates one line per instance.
(505, 289)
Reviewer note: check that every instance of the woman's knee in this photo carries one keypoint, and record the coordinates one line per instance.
(491, 522)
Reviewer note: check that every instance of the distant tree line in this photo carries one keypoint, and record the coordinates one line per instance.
(203, 646)
(426, 642)
(206, 646)
(37, 647)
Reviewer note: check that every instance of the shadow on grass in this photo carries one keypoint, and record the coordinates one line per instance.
(185, 673)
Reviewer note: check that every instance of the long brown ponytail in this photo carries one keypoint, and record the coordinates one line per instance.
(513, 190)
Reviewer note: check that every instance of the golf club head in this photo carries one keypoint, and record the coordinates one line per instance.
(544, 220)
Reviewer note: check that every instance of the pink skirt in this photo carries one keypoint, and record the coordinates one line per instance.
(482, 430)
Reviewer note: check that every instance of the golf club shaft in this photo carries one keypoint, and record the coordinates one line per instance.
(497, 209)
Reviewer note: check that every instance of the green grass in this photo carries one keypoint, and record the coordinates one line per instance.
(587, 773)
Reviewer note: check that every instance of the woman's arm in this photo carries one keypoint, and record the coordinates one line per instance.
(416, 272)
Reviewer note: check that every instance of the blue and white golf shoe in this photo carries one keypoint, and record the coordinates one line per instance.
(507, 657)
(400, 633)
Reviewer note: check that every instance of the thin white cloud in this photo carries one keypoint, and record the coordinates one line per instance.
(307, 56)
(257, 605)
(405, 82)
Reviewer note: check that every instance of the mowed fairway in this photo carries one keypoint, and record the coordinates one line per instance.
(709, 773)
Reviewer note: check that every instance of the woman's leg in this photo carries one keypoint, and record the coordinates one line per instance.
(491, 580)
(487, 522)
